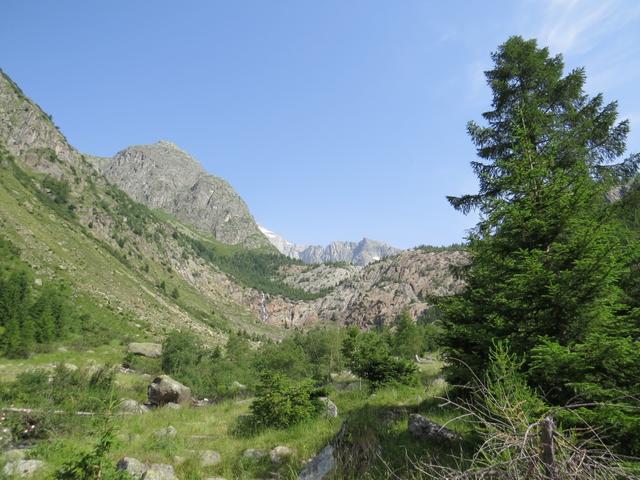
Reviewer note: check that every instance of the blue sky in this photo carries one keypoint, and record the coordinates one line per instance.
(333, 119)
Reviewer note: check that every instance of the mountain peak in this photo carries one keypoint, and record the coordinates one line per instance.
(357, 253)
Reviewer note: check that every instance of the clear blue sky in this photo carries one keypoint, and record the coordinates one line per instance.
(333, 119)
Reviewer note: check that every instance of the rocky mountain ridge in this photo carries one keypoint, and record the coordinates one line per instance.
(359, 253)
(127, 259)
(163, 176)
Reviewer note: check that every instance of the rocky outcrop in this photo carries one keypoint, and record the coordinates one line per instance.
(28, 132)
(151, 350)
(372, 295)
(22, 468)
(359, 253)
(330, 408)
(131, 407)
(165, 389)
(320, 466)
(423, 428)
(163, 176)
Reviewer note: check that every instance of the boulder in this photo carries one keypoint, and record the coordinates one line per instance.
(160, 471)
(164, 389)
(132, 407)
(330, 408)
(22, 468)
(168, 432)
(320, 466)
(173, 406)
(151, 350)
(280, 454)
(236, 385)
(254, 453)
(132, 466)
(423, 428)
(14, 454)
(209, 457)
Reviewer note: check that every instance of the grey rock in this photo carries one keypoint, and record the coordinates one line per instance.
(163, 176)
(132, 466)
(359, 253)
(254, 453)
(280, 454)
(160, 471)
(151, 350)
(423, 428)
(167, 432)
(320, 466)
(164, 389)
(238, 386)
(22, 468)
(14, 454)
(330, 408)
(173, 406)
(209, 457)
(132, 407)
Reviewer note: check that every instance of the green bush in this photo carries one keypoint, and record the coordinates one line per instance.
(370, 358)
(281, 402)
(59, 189)
(206, 371)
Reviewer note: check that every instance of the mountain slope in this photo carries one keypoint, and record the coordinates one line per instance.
(122, 258)
(163, 176)
(356, 253)
(148, 270)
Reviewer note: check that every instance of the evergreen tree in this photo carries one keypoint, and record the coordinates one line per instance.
(407, 341)
(547, 255)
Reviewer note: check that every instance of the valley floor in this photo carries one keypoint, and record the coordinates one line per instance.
(377, 424)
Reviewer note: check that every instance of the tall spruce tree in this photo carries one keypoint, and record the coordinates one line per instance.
(546, 257)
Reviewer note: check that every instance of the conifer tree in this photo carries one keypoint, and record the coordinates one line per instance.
(546, 256)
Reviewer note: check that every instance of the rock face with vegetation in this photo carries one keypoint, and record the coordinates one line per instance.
(372, 295)
(163, 176)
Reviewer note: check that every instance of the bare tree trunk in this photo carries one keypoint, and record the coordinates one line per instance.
(547, 455)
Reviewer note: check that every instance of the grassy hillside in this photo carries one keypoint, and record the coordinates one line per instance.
(113, 251)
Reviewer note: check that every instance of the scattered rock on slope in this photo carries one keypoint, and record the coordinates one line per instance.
(151, 350)
(422, 427)
(165, 389)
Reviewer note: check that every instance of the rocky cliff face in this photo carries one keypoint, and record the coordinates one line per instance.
(364, 296)
(163, 176)
(356, 253)
(119, 265)
(28, 132)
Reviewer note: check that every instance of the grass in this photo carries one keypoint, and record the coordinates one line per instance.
(378, 420)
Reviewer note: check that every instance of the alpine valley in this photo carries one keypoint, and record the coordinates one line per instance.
(151, 215)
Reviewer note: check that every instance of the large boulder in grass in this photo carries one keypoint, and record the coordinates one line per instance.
(423, 428)
(151, 350)
(320, 466)
(131, 407)
(165, 389)
(330, 409)
(134, 467)
(280, 454)
(22, 468)
(160, 471)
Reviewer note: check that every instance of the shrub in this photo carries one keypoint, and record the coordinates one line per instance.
(370, 358)
(281, 402)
